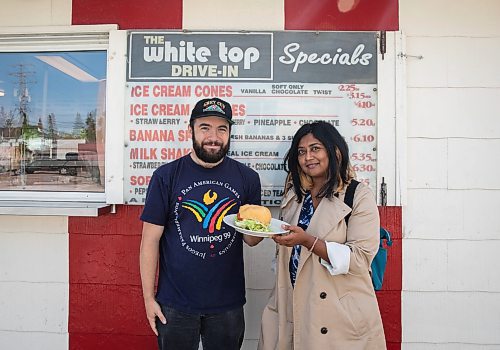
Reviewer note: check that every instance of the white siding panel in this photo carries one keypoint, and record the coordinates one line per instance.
(434, 214)
(471, 266)
(33, 341)
(427, 159)
(455, 317)
(258, 263)
(473, 62)
(441, 214)
(249, 344)
(39, 307)
(425, 263)
(256, 301)
(228, 15)
(473, 164)
(34, 224)
(431, 70)
(440, 113)
(61, 12)
(452, 233)
(424, 121)
(445, 17)
(35, 13)
(482, 220)
(34, 282)
(33, 257)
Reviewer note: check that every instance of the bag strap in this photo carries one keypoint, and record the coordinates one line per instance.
(349, 197)
(384, 234)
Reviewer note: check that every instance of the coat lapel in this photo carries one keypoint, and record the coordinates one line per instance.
(327, 216)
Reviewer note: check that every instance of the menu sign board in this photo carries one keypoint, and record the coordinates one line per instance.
(275, 82)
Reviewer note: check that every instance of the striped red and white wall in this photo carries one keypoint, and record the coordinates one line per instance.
(74, 282)
(105, 303)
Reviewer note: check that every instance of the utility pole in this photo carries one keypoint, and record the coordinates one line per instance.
(23, 76)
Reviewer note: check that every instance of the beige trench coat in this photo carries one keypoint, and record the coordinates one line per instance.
(324, 311)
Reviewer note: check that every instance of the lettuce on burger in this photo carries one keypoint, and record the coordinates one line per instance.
(254, 218)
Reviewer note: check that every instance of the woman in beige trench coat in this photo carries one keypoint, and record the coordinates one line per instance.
(323, 297)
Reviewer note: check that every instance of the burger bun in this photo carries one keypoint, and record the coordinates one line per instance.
(255, 212)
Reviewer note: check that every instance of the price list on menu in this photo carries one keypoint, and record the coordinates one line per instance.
(267, 109)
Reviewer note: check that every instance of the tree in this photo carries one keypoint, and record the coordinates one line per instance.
(52, 134)
(78, 126)
(90, 131)
(28, 131)
(51, 127)
(6, 121)
(9, 123)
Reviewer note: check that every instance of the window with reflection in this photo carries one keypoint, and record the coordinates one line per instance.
(52, 121)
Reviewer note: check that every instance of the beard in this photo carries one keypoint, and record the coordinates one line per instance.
(210, 156)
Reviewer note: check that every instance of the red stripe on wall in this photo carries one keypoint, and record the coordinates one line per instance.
(355, 15)
(152, 14)
(118, 341)
(389, 298)
(106, 309)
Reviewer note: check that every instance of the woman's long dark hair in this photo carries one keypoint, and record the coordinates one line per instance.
(338, 169)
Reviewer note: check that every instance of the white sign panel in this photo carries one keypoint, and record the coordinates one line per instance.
(275, 82)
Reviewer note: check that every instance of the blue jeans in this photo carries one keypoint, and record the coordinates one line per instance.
(217, 331)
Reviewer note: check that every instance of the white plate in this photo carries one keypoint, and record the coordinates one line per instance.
(275, 227)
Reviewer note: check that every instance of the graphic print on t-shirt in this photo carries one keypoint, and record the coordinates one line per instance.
(198, 215)
(210, 217)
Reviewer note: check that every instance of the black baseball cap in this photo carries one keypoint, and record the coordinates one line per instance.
(212, 107)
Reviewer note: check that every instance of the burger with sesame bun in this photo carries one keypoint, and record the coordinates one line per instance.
(254, 218)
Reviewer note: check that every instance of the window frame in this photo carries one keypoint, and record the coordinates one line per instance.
(79, 38)
(391, 121)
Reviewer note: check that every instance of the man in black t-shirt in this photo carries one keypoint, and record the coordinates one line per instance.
(201, 285)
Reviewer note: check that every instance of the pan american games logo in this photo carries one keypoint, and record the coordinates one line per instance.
(199, 214)
(210, 217)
